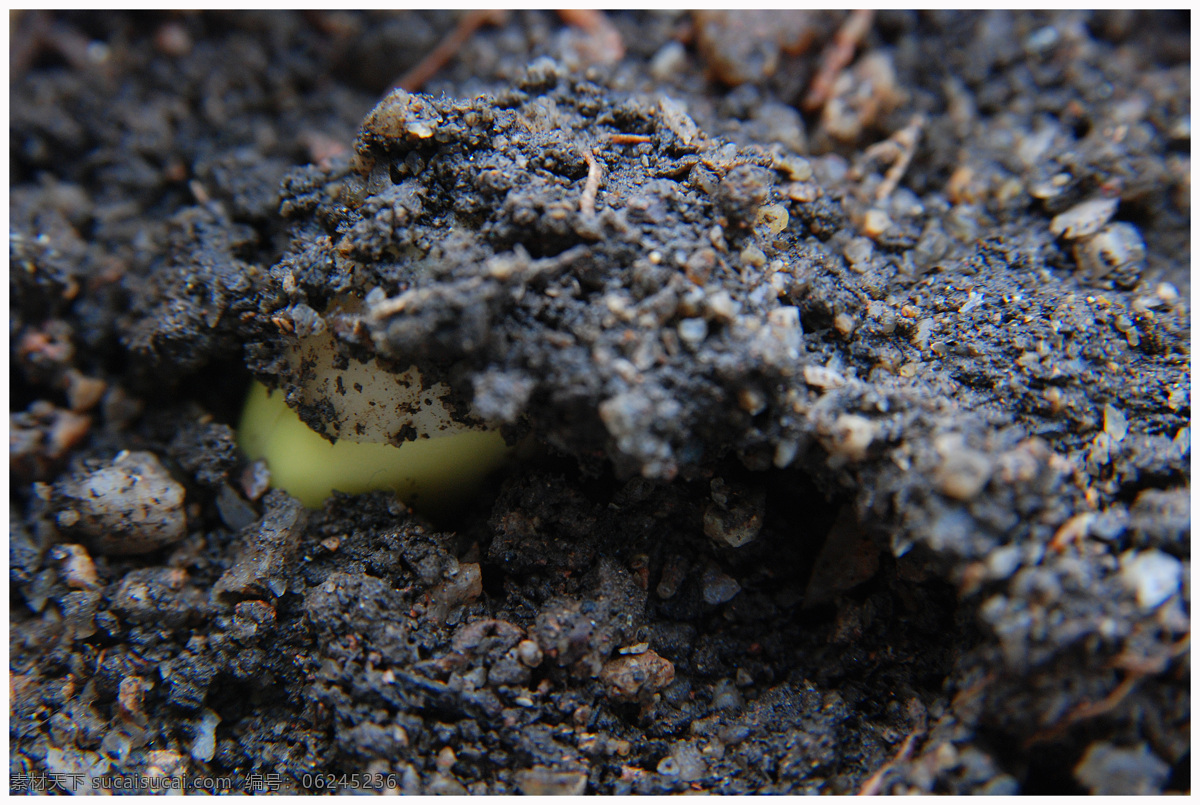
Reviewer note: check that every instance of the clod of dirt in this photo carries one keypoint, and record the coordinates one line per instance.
(40, 437)
(475, 231)
(636, 677)
(264, 562)
(158, 596)
(133, 505)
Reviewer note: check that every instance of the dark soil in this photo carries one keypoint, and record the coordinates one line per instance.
(847, 474)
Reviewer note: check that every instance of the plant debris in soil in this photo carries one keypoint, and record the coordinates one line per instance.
(853, 351)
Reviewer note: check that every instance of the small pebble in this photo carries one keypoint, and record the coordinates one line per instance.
(1117, 249)
(460, 587)
(636, 677)
(963, 472)
(172, 39)
(752, 401)
(735, 516)
(1043, 39)
(1153, 576)
(726, 696)
(851, 436)
(1167, 292)
(669, 61)
(675, 117)
(445, 759)
(753, 256)
(785, 453)
(78, 570)
(1181, 129)
(717, 587)
(1003, 562)
(692, 332)
(1083, 219)
(683, 763)
(721, 307)
(875, 223)
(859, 251)
(803, 192)
(446, 786)
(131, 506)
(84, 393)
(543, 782)
(1121, 771)
(822, 377)
(974, 300)
(1115, 424)
(798, 169)
(234, 510)
(1109, 524)
(773, 218)
(529, 653)
(116, 746)
(784, 336)
(204, 746)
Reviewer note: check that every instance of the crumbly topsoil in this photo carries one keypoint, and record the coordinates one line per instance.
(861, 433)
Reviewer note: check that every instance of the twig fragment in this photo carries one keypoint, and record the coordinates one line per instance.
(420, 73)
(1086, 710)
(587, 202)
(898, 150)
(837, 56)
(604, 45)
(873, 784)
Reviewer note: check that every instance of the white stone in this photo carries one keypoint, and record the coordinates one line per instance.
(1153, 576)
